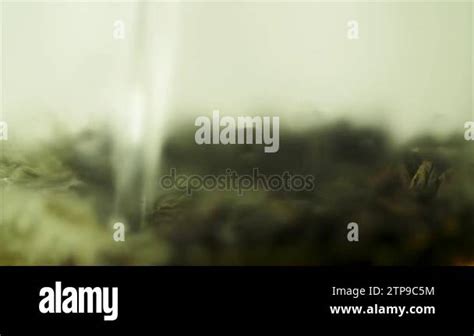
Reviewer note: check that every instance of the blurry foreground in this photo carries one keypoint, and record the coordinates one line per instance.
(413, 203)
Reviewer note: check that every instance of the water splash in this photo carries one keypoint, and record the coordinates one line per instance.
(141, 125)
